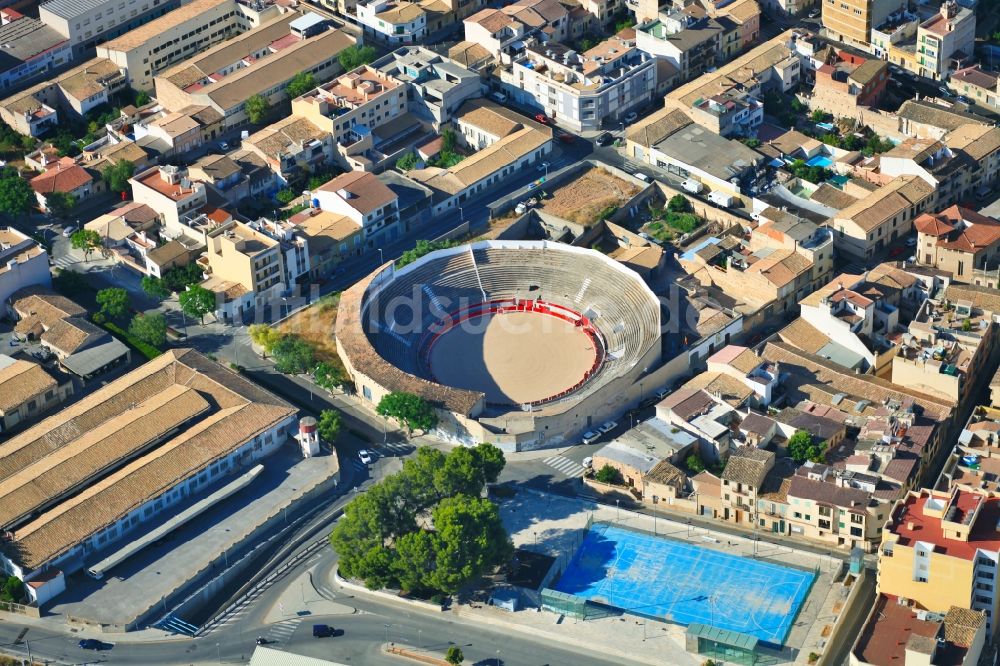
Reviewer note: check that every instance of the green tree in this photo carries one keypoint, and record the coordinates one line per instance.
(491, 460)
(60, 204)
(12, 590)
(300, 84)
(412, 411)
(354, 56)
(179, 278)
(116, 175)
(197, 302)
(292, 355)
(87, 240)
(150, 328)
(16, 195)
(286, 196)
(694, 463)
(469, 539)
(113, 301)
(421, 248)
(448, 139)
(264, 336)
(328, 376)
(454, 655)
(407, 161)
(70, 283)
(329, 424)
(820, 116)
(608, 474)
(679, 204)
(257, 108)
(154, 287)
(142, 98)
(802, 446)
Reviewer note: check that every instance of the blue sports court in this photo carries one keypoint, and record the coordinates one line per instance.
(685, 584)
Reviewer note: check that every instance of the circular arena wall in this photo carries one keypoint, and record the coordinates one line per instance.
(521, 343)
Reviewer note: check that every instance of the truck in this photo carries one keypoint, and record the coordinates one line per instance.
(692, 186)
(720, 199)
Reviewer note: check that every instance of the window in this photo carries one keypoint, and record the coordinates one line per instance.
(981, 599)
(985, 562)
(986, 587)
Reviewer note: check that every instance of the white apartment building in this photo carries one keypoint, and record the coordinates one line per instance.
(365, 200)
(440, 85)
(168, 191)
(392, 21)
(87, 23)
(949, 32)
(23, 263)
(583, 91)
(178, 35)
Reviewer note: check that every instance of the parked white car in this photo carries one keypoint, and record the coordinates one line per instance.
(365, 457)
(591, 436)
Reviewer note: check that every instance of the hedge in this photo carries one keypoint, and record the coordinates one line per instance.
(144, 348)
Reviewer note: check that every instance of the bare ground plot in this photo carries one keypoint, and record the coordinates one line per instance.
(315, 324)
(585, 198)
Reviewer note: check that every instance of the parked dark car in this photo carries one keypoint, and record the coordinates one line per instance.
(94, 644)
(605, 139)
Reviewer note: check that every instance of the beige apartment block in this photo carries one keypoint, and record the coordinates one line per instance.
(169, 192)
(960, 241)
(260, 62)
(242, 255)
(180, 34)
(851, 21)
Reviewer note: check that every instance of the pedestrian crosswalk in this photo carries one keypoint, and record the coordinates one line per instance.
(282, 631)
(358, 465)
(565, 465)
(394, 448)
(65, 261)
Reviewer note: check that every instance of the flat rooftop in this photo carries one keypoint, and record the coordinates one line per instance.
(147, 33)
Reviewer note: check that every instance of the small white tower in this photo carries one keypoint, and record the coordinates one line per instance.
(308, 437)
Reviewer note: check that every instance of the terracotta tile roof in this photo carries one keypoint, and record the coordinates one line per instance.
(659, 126)
(748, 465)
(829, 494)
(40, 308)
(20, 382)
(726, 387)
(756, 423)
(666, 474)
(237, 411)
(61, 178)
(367, 192)
(800, 333)
(983, 298)
(976, 77)
(962, 624)
(958, 228)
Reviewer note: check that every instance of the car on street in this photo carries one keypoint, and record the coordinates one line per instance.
(223, 146)
(567, 138)
(643, 177)
(896, 251)
(93, 644)
(591, 436)
(605, 139)
(944, 91)
(911, 241)
(814, 13)
(631, 117)
(67, 232)
(365, 457)
(542, 118)
(607, 427)
(588, 462)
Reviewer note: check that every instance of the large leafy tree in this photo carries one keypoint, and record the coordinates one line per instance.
(328, 376)
(292, 355)
(384, 538)
(154, 287)
(113, 301)
(87, 240)
(802, 446)
(16, 195)
(300, 84)
(150, 328)
(116, 175)
(179, 278)
(354, 56)
(60, 204)
(469, 538)
(412, 411)
(197, 302)
(329, 425)
(257, 108)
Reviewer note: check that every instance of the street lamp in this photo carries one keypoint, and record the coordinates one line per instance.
(498, 657)
(381, 259)
(387, 634)
(618, 509)
(420, 640)
(689, 528)
(218, 646)
(461, 213)
(546, 165)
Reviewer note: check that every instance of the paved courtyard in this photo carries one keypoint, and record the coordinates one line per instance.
(143, 581)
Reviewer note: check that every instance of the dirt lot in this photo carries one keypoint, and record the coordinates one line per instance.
(315, 324)
(583, 199)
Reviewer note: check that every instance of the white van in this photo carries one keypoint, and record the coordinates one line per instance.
(692, 186)
(643, 177)
(499, 97)
(720, 199)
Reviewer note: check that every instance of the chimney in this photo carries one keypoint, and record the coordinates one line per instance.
(909, 525)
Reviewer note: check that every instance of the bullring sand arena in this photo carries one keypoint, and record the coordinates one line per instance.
(513, 357)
